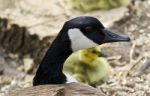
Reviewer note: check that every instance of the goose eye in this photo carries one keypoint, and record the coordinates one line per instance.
(88, 28)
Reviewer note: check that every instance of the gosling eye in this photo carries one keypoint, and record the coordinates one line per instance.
(94, 51)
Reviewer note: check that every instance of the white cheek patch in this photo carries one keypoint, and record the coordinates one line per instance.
(79, 40)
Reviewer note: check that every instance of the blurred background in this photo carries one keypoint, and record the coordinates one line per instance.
(27, 28)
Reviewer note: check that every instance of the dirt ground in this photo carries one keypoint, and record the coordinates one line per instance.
(130, 61)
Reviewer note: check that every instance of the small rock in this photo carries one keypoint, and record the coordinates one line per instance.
(130, 84)
(1, 71)
(4, 80)
(28, 65)
(20, 68)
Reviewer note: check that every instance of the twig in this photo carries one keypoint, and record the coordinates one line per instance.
(116, 57)
(132, 62)
(132, 52)
(136, 62)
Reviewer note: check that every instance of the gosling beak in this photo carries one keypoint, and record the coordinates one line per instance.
(113, 37)
(101, 54)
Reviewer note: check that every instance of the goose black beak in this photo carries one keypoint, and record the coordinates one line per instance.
(113, 37)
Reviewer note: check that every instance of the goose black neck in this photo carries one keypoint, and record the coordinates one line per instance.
(50, 69)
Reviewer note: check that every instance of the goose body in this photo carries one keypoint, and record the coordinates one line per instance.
(87, 66)
(76, 34)
(68, 89)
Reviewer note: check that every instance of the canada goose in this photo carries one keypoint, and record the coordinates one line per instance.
(78, 33)
(88, 66)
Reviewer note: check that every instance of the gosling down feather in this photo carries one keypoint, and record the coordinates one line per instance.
(87, 66)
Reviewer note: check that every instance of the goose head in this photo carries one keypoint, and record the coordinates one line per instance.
(86, 32)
